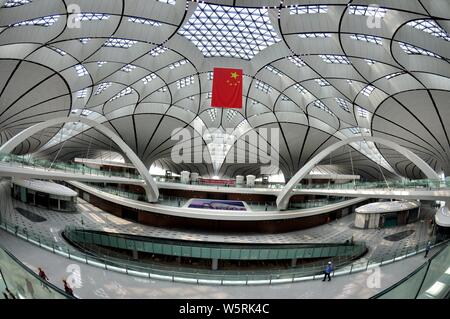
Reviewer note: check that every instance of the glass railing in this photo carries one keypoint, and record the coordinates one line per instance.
(19, 282)
(177, 201)
(41, 164)
(429, 281)
(306, 272)
(422, 184)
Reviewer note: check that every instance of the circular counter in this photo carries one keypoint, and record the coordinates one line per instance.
(44, 194)
(387, 214)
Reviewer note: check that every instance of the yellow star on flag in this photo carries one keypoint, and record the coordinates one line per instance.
(234, 75)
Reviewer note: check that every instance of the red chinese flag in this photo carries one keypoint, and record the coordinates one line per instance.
(227, 88)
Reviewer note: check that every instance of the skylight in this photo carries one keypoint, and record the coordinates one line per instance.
(119, 43)
(367, 38)
(210, 75)
(319, 104)
(93, 16)
(85, 40)
(128, 68)
(162, 89)
(369, 61)
(212, 114)
(149, 78)
(177, 64)
(370, 11)
(342, 104)
(181, 83)
(363, 112)
(82, 93)
(430, 27)
(102, 86)
(368, 90)
(157, 51)
(300, 88)
(337, 59)
(322, 82)
(231, 114)
(145, 21)
(285, 98)
(274, 70)
(15, 3)
(410, 49)
(124, 92)
(59, 51)
(86, 112)
(314, 35)
(262, 86)
(43, 22)
(101, 63)
(172, 2)
(229, 31)
(296, 60)
(81, 70)
(393, 75)
(308, 9)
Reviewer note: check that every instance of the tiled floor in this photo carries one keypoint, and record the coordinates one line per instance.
(91, 217)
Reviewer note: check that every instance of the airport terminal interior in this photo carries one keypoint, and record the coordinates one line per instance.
(247, 149)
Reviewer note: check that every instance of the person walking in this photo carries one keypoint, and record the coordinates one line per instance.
(328, 271)
(42, 274)
(67, 288)
(427, 249)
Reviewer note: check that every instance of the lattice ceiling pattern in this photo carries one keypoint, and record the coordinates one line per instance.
(318, 72)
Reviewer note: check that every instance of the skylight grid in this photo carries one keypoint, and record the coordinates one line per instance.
(231, 114)
(181, 83)
(145, 21)
(210, 75)
(368, 90)
(285, 98)
(82, 93)
(149, 78)
(342, 104)
(242, 123)
(85, 40)
(86, 112)
(320, 105)
(370, 11)
(367, 38)
(102, 87)
(355, 130)
(431, 27)
(124, 92)
(413, 50)
(59, 51)
(274, 70)
(42, 22)
(177, 64)
(119, 43)
(81, 70)
(225, 31)
(157, 51)
(322, 82)
(15, 3)
(93, 16)
(314, 35)
(212, 114)
(172, 2)
(369, 61)
(128, 68)
(162, 89)
(311, 9)
(363, 112)
(101, 63)
(262, 86)
(209, 95)
(296, 60)
(300, 88)
(393, 75)
(336, 59)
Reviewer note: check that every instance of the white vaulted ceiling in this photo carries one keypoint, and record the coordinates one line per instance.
(317, 70)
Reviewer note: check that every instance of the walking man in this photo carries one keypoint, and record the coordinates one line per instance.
(328, 271)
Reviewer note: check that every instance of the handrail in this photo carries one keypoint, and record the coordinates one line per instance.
(44, 283)
(445, 245)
